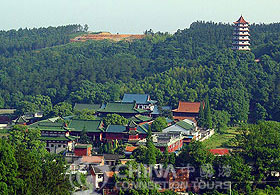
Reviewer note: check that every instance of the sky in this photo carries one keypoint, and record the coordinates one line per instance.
(133, 16)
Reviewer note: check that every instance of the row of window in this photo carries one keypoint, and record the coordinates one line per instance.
(59, 145)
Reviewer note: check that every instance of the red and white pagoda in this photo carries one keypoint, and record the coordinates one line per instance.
(241, 40)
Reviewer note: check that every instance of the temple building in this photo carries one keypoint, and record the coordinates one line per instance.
(186, 110)
(241, 40)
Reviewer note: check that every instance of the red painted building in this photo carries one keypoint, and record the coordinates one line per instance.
(83, 150)
(131, 133)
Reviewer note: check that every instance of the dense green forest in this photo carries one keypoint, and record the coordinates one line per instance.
(188, 65)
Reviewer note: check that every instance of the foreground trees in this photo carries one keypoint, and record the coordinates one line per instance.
(34, 170)
(252, 166)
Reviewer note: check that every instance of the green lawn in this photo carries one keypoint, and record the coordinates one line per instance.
(221, 140)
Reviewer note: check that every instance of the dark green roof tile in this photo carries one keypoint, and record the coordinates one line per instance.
(142, 129)
(116, 129)
(89, 125)
(184, 125)
(120, 107)
(51, 124)
(57, 138)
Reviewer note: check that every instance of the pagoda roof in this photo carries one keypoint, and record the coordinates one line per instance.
(242, 44)
(241, 21)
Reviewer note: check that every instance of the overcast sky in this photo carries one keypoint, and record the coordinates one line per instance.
(133, 16)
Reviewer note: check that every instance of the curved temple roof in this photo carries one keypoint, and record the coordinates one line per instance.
(241, 21)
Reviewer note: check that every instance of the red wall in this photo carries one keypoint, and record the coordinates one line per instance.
(114, 136)
(176, 146)
(83, 151)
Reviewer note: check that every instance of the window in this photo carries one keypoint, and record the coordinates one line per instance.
(59, 145)
(52, 145)
(64, 146)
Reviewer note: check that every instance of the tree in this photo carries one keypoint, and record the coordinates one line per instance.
(195, 154)
(207, 114)
(159, 124)
(259, 147)
(62, 109)
(165, 157)
(84, 139)
(55, 178)
(86, 28)
(221, 119)
(114, 119)
(85, 114)
(172, 158)
(260, 112)
(201, 117)
(150, 153)
(35, 164)
(9, 181)
(239, 173)
(139, 154)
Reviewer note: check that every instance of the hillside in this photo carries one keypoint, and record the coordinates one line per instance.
(105, 35)
(186, 66)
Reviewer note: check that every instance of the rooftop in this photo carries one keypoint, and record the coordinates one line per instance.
(81, 107)
(123, 129)
(220, 151)
(52, 124)
(188, 107)
(121, 107)
(185, 125)
(83, 146)
(241, 21)
(88, 125)
(116, 129)
(92, 159)
(138, 98)
(7, 111)
(58, 138)
(111, 157)
(130, 148)
(140, 118)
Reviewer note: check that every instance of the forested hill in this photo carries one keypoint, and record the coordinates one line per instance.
(185, 66)
(23, 40)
